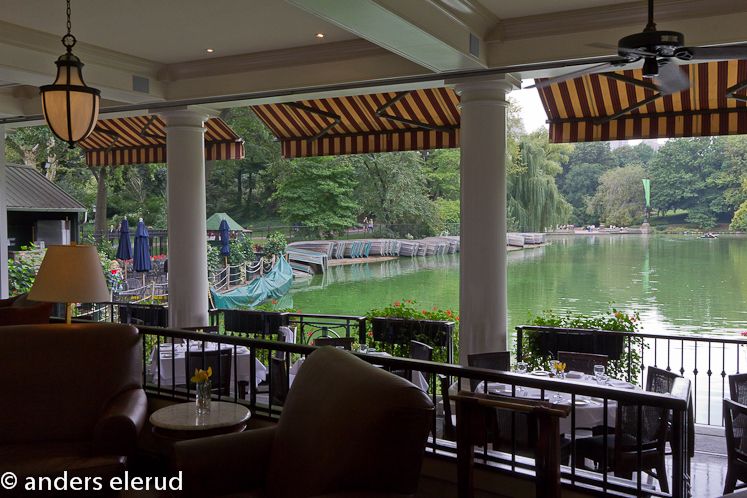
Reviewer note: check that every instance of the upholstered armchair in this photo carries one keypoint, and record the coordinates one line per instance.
(347, 429)
(72, 401)
(19, 310)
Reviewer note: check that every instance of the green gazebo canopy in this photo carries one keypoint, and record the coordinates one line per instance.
(213, 223)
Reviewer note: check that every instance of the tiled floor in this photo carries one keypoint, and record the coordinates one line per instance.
(709, 464)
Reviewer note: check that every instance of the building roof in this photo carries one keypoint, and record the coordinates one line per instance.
(29, 190)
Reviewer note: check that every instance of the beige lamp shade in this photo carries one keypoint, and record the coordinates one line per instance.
(70, 107)
(70, 274)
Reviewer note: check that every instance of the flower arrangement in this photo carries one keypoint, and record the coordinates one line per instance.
(202, 383)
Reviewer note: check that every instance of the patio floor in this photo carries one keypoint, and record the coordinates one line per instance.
(709, 463)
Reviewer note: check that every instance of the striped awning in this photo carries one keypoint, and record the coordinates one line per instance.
(382, 122)
(142, 140)
(624, 106)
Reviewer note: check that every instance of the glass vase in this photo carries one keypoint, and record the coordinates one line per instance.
(202, 401)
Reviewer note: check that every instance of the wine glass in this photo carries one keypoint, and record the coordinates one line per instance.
(598, 371)
(521, 369)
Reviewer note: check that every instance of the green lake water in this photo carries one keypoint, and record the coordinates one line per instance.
(678, 284)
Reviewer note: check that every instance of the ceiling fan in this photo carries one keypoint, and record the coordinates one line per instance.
(658, 49)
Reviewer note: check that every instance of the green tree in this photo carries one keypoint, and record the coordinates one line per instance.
(392, 187)
(533, 197)
(319, 192)
(581, 183)
(620, 197)
(442, 171)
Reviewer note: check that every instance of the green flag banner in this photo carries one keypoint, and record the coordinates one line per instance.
(647, 188)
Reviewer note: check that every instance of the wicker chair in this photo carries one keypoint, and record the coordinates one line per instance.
(661, 381)
(582, 362)
(345, 342)
(220, 363)
(449, 431)
(499, 360)
(735, 421)
(622, 447)
(738, 388)
(279, 384)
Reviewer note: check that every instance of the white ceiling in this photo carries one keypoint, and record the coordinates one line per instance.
(270, 45)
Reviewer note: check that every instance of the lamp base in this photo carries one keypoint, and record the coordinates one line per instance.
(68, 313)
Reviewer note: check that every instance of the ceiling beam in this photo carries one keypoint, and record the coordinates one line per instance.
(419, 30)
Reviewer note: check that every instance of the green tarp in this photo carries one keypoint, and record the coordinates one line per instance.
(213, 223)
(272, 286)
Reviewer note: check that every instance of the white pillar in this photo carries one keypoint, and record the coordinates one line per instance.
(185, 156)
(483, 305)
(3, 220)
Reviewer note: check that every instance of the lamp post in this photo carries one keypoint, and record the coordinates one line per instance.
(645, 228)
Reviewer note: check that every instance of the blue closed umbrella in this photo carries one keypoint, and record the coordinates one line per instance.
(141, 261)
(124, 250)
(225, 239)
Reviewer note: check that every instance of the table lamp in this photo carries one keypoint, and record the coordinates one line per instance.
(70, 274)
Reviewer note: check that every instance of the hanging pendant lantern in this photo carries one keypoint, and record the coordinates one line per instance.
(70, 107)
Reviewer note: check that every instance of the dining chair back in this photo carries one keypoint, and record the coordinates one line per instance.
(735, 422)
(738, 388)
(661, 381)
(418, 351)
(279, 384)
(345, 342)
(217, 360)
(498, 360)
(449, 430)
(622, 447)
(582, 362)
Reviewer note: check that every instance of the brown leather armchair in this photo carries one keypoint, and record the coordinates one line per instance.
(19, 310)
(72, 400)
(348, 429)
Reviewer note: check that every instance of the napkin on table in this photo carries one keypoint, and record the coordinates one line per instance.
(575, 375)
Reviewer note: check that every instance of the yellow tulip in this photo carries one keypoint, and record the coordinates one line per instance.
(202, 375)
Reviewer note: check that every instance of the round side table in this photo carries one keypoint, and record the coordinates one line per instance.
(180, 422)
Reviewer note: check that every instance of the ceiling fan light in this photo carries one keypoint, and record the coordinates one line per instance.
(650, 68)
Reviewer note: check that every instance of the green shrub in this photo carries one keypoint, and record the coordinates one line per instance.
(611, 320)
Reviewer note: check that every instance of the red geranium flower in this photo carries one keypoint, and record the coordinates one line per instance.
(425, 312)
(274, 302)
(396, 303)
(448, 312)
(409, 301)
(435, 309)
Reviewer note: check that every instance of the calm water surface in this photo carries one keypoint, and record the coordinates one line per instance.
(678, 284)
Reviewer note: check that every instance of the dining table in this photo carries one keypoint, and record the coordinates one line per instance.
(589, 411)
(417, 377)
(169, 369)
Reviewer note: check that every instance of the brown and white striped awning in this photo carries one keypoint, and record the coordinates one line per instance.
(382, 122)
(142, 140)
(593, 108)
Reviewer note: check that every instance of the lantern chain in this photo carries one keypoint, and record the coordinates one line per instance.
(68, 40)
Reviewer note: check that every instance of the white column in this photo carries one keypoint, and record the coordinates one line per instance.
(482, 261)
(3, 220)
(185, 156)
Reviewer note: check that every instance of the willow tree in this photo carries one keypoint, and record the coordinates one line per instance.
(533, 197)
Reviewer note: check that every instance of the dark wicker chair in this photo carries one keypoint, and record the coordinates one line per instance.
(661, 381)
(219, 361)
(418, 351)
(582, 362)
(622, 447)
(345, 342)
(449, 431)
(735, 421)
(498, 360)
(738, 388)
(279, 384)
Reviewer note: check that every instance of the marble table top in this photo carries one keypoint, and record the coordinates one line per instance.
(184, 417)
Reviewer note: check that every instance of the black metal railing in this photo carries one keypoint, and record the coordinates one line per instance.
(706, 361)
(252, 385)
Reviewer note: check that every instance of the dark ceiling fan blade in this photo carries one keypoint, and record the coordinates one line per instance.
(582, 72)
(631, 51)
(671, 79)
(725, 52)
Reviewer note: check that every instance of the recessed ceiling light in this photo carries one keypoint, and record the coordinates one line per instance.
(210, 50)
(320, 35)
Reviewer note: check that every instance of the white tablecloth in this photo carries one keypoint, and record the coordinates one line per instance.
(418, 377)
(589, 411)
(163, 368)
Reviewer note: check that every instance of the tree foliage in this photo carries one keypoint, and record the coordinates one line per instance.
(319, 192)
(620, 197)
